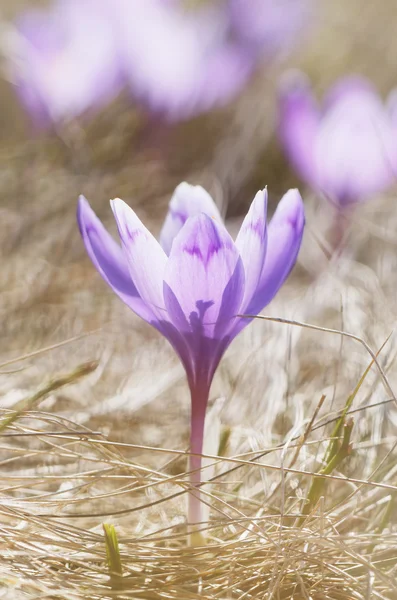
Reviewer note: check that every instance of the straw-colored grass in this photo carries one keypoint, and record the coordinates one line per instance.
(275, 530)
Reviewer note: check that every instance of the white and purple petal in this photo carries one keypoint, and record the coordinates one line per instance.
(145, 258)
(285, 234)
(187, 201)
(251, 242)
(204, 279)
(109, 260)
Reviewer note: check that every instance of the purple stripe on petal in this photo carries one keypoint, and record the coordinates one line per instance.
(231, 301)
(109, 260)
(206, 275)
(145, 258)
(187, 201)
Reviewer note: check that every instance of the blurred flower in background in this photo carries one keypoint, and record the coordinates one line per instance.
(77, 55)
(348, 149)
(64, 60)
(178, 63)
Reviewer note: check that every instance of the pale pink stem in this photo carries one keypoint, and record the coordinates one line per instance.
(339, 229)
(199, 396)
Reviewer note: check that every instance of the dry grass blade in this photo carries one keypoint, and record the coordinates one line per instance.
(253, 549)
(51, 387)
(346, 334)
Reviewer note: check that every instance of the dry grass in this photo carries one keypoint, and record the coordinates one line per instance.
(61, 481)
(275, 530)
(303, 495)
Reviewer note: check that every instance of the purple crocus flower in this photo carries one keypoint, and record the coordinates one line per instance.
(75, 56)
(346, 150)
(190, 65)
(64, 60)
(200, 59)
(193, 284)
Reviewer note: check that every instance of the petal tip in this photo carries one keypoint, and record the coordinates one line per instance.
(259, 205)
(184, 186)
(291, 208)
(350, 86)
(84, 214)
(121, 210)
(186, 192)
(117, 202)
(264, 193)
(82, 203)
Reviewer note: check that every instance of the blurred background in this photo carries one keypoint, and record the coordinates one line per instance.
(127, 99)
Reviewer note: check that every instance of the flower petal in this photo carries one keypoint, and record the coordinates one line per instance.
(284, 239)
(204, 279)
(356, 147)
(109, 260)
(349, 88)
(162, 77)
(251, 242)
(299, 122)
(145, 258)
(187, 201)
(65, 60)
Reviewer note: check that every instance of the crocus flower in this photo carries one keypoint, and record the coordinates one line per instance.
(189, 67)
(75, 56)
(63, 61)
(348, 149)
(194, 284)
(201, 59)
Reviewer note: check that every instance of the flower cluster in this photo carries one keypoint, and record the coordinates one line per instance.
(76, 56)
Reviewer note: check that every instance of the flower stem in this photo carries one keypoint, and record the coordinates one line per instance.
(339, 229)
(199, 401)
